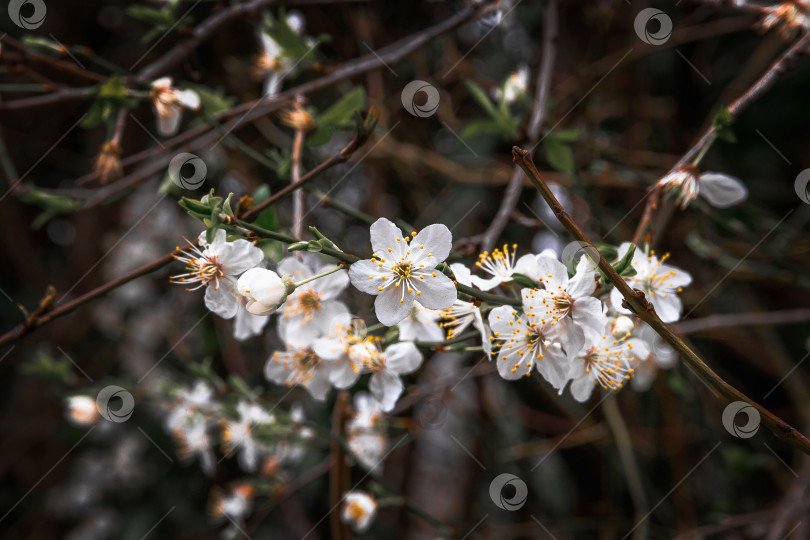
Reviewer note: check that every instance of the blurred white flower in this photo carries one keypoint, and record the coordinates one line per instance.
(421, 324)
(385, 367)
(264, 290)
(216, 267)
(402, 270)
(515, 86)
(237, 437)
(299, 366)
(193, 441)
(660, 282)
(720, 190)
(522, 342)
(247, 325)
(359, 509)
(311, 309)
(169, 102)
(81, 410)
(364, 431)
(234, 504)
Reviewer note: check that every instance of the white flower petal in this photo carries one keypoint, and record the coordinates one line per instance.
(431, 246)
(386, 387)
(667, 307)
(462, 274)
(367, 276)
(402, 358)
(238, 256)
(247, 325)
(384, 236)
(583, 283)
(222, 299)
(331, 286)
(438, 292)
(721, 190)
(393, 304)
(552, 273)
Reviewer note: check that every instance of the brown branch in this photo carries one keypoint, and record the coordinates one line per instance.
(636, 301)
(62, 65)
(762, 85)
(199, 138)
(515, 187)
(41, 319)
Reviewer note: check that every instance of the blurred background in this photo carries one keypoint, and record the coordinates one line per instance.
(620, 113)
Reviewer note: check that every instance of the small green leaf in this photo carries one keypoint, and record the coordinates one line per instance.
(625, 262)
(559, 155)
(566, 135)
(722, 122)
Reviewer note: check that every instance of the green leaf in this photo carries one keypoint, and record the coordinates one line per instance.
(338, 117)
(625, 262)
(482, 98)
(568, 135)
(525, 281)
(484, 126)
(212, 101)
(292, 44)
(559, 155)
(41, 45)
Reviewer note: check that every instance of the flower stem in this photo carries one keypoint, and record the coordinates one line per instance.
(705, 149)
(316, 276)
(636, 301)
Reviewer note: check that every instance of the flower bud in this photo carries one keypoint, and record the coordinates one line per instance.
(81, 410)
(622, 326)
(264, 290)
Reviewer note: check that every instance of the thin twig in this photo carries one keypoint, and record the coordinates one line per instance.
(637, 302)
(736, 320)
(515, 187)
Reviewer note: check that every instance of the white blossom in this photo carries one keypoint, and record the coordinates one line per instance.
(461, 314)
(720, 190)
(359, 509)
(81, 410)
(216, 267)
(299, 366)
(403, 269)
(523, 341)
(421, 324)
(660, 282)
(312, 308)
(237, 437)
(169, 102)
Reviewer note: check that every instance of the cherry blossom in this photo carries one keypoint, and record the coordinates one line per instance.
(720, 190)
(660, 282)
(216, 267)
(461, 314)
(237, 435)
(169, 102)
(359, 509)
(403, 269)
(311, 309)
(421, 324)
(385, 367)
(299, 366)
(524, 341)
(263, 290)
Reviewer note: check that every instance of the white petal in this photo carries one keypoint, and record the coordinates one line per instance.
(582, 388)
(222, 299)
(462, 274)
(552, 273)
(247, 324)
(294, 267)
(588, 315)
(329, 287)
(438, 292)
(499, 319)
(341, 375)
(616, 301)
(384, 236)
(403, 358)
(527, 265)
(583, 283)
(319, 386)
(668, 307)
(553, 367)
(169, 122)
(393, 304)
(238, 256)
(188, 98)
(367, 276)
(328, 348)
(721, 190)
(432, 245)
(678, 277)
(486, 284)
(386, 387)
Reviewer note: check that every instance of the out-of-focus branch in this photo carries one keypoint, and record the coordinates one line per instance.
(762, 85)
(736, 320)
(515, 187)
(157, 158)
(636, 301)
